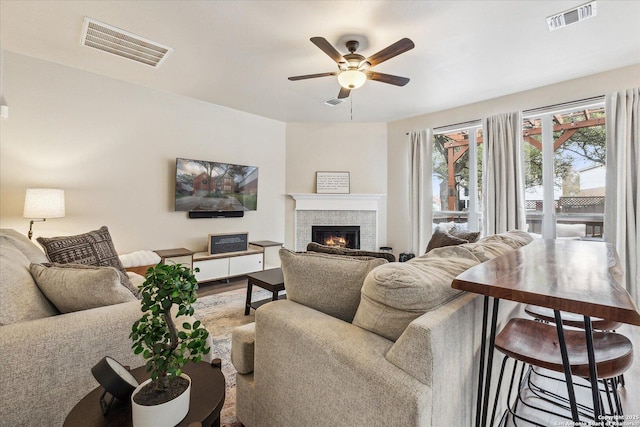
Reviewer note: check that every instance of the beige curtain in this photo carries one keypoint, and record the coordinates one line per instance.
(503, 174)
(420, 192)
(622, 204)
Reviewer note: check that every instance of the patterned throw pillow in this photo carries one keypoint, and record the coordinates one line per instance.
(92, 248)
(471, 236)
(442, 238)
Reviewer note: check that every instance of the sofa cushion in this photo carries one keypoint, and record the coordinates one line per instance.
(328, 283)
(498, 244)
(92, 248)
(76, 287)
(20, 300)
(441, 239)
(335, 250)
(395, 294)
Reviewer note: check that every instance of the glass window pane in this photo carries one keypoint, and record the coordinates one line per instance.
(532, 149)
(579, 169)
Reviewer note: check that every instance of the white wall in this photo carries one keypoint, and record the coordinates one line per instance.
(360, 148)
(112, 147)
(398, 146)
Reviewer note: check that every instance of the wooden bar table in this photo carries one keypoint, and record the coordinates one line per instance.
(563, 275)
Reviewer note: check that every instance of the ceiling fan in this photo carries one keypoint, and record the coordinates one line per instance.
(354, 69)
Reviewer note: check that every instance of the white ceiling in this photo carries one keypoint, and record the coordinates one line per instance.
(240, 53)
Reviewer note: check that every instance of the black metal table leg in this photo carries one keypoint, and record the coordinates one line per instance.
(487, 380)
(483, 345)
(567, 367)
(274, 296)
(593, 369)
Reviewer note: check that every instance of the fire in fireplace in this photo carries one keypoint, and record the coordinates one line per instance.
(344, 236)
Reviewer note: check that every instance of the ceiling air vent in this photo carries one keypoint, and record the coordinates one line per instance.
(334, 101)
(572, 16)
(107, 38)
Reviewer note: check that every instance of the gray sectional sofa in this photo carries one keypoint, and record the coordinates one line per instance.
(45, 356)
(367, 343)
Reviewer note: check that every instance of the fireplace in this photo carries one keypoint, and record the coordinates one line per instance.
(344, 236)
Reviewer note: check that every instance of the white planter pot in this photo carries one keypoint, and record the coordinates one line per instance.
(164, 415)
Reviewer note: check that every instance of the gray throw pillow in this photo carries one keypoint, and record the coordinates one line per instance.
(327, 283)
(93, 248)
(442, 238)
(471, 236)
(81, 287)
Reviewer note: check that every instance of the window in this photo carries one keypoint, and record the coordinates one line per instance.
(564, 154)
(457, 175)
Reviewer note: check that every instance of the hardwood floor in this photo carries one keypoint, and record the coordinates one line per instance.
(219, 286)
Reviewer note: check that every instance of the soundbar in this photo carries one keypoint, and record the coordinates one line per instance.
(216, 214)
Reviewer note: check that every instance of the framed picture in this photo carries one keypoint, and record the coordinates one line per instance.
(333, 182)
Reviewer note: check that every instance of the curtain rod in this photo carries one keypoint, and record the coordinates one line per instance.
(563, 106)
(456, 126)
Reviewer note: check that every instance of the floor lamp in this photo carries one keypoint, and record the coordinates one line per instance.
(43, 203)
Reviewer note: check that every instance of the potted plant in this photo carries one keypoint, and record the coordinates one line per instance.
(165, 347)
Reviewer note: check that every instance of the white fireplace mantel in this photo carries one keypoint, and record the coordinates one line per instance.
(336, 202)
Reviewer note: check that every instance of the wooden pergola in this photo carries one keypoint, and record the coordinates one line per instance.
(460, 141)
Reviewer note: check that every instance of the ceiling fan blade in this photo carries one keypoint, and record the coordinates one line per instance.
(344, 93)
(327, 48)
(389, 52)
(387, 78)
(313, 76)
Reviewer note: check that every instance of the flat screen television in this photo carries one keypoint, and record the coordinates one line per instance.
(215, 187)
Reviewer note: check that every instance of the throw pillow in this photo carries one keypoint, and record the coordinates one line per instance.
(80, 287)
(93, 248)
(442, 238)
(395, 294)
(327, 283)
(471, 236)
(335, 250)
(20, 298)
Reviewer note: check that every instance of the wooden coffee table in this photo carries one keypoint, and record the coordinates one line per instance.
(207, 398)
(271, 280)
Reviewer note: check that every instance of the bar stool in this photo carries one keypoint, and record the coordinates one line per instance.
(545, 314)
(536, 344)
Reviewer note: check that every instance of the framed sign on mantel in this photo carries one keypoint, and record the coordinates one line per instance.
(333, 182)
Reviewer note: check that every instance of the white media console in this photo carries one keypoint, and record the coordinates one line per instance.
(260, 255)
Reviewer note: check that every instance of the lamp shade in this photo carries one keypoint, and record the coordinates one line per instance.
(352, 79)
(44, 203)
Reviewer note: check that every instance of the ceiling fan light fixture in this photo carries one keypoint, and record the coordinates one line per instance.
(352, 79)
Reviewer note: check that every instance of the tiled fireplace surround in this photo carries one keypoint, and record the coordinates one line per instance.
(337, 209)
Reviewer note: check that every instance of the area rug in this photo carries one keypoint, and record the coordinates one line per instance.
(220, 314)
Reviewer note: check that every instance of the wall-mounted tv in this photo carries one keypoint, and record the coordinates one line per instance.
(215, 187)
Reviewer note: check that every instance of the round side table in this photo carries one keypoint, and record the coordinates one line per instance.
(207, 398)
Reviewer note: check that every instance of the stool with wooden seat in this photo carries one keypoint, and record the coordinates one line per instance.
(536, 344)
(571, 319)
